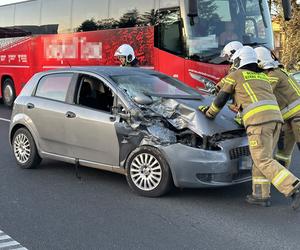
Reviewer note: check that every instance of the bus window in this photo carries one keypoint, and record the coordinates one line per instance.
(130, 11)
(56, 16)
(168, 3)
(94, 10)
(24, 21)
(170, 30)
(7, 16)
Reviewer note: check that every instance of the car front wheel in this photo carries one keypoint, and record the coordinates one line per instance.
(148, 173)
(25, 150)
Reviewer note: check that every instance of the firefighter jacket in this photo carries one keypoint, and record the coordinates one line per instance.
(253, 95)
(287, 92)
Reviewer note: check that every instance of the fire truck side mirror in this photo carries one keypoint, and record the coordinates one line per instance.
(193, 10)
(287, 9)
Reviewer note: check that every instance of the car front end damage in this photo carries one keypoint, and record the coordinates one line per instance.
(199, 152)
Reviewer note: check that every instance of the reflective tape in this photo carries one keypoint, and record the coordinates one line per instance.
(230, 82)
(257, 104)
(260, 180)
(250, 92)
(260, 109)
(214, 108)
(280, 177)
(291, 112)
(295, 86)
(283, 157)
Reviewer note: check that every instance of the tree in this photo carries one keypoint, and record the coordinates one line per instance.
(291, 39)
(88, 25)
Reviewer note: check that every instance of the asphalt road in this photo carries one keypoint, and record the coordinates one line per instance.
(49, 208)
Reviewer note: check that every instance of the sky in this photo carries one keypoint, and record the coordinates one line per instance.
(3, 2)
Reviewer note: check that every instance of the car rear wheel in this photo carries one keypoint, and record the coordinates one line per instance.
(148, 173)
(8, 92)
(25, 150)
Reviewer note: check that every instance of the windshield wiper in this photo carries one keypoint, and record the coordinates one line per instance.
(254, 44)
(207, 58)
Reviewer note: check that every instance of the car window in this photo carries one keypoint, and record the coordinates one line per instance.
(94, 93)
(54, 86)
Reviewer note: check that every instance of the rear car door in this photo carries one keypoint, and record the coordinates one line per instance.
(47, 109)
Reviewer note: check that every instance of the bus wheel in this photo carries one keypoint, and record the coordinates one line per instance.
(8, 92)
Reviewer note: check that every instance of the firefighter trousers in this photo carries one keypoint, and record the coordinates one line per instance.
(290, 135)
(262, 141)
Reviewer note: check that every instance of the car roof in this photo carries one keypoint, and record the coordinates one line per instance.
(106, 70)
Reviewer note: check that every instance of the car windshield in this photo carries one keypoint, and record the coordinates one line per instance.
(154, 85)
(217, 22)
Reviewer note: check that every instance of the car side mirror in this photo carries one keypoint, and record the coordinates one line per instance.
(143, 99)
(287, 9)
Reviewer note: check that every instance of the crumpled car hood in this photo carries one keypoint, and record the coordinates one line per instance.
(182, 113)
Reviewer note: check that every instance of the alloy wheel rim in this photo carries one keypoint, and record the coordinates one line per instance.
(22, 148)
(8, 93)
(146, 172)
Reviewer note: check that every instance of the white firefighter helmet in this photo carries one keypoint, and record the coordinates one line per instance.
(244, 56)
(230, 49)
(265, 59)
(127, 51)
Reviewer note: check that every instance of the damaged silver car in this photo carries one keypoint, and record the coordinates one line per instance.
(132, 121)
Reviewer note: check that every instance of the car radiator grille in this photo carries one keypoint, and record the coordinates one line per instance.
(236, 153)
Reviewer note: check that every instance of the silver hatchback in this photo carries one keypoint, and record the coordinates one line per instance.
(135, 122)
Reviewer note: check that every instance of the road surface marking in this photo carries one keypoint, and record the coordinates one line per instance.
(7, 243)
(5, 120)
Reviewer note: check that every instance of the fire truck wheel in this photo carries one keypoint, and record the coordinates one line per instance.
(8, 92)
(25, 150)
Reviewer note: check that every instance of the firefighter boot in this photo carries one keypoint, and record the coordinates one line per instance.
(266, 202)
(296, 199)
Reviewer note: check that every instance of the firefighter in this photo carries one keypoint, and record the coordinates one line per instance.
(287, 93)
(262, 119)
(228, 52)
(126, 56)
(230, 49)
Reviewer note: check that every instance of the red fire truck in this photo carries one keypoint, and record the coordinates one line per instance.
(182, 38)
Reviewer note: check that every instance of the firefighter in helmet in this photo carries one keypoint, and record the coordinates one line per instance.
(287, 93)
(263, 121)
(227, 53)
(126, 56)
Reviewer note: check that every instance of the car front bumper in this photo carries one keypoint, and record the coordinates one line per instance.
(195, 168)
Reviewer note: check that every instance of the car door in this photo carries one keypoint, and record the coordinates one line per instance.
(47, 110)
(91, 133)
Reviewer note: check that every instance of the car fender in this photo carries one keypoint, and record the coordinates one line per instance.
(25, 121)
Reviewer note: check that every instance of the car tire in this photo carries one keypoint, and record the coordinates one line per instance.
(8, 92)
(24, 149)
(148, 173)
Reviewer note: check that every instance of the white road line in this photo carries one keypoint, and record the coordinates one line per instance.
(9, 244)
(4, 237)
(6, 242)
(5, 120)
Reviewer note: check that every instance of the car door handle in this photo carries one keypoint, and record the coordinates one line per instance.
(112, 118)
(30, 105)
(70, 114)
